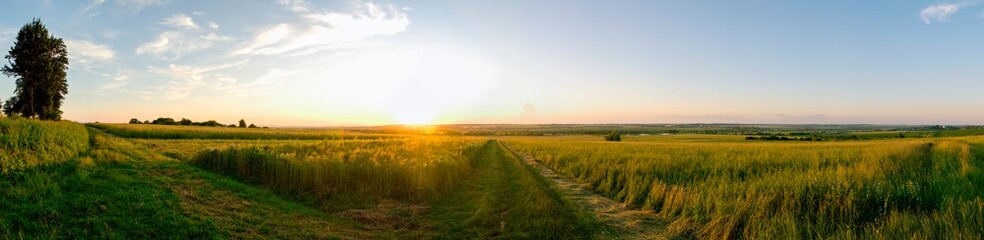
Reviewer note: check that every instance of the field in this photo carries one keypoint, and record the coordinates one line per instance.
(147, 181)
(25, 143)
(891, 189)
(154, 131)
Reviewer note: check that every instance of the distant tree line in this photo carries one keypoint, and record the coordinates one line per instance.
(782, 138)
(824, 137)
(188, 122)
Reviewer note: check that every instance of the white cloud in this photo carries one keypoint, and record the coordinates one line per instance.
(90, 6)
(87, 52)
(938, 13)
(187, 79)
(172, 45)
(119, 80)
(329, 30)
(213, 25)
(140, 4)
(135, 5)
(180, 21)
(7, 34)
(941, 12)
(295, 5)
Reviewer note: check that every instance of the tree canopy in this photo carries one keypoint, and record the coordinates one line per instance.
(38, 61)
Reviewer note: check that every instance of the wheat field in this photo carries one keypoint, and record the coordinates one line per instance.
(887, 189)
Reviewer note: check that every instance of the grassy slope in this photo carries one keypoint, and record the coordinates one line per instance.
(123, 190)
(508, 199)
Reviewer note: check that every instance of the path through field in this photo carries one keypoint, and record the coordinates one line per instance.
(627, 223)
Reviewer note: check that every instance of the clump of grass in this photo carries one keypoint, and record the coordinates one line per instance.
(344, 174)
(148, 131)
(26, 143)
(871, 189)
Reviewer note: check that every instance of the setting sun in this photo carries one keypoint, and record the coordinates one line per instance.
(440, 79)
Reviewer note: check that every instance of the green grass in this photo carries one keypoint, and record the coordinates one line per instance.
(151, 131)
(509, 200)
(25, 143)
(71, 200)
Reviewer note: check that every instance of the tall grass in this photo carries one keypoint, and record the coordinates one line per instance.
(872, 189)
(26, 143)
(149, 131)
(344, 174)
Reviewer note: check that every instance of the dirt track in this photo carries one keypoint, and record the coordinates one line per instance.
(628, 223)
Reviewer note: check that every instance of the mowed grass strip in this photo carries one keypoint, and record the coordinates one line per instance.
(887, 189)
(506, 199)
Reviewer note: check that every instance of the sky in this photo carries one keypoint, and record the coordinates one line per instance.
(331, 63)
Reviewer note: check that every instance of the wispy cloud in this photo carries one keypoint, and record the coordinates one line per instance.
(186, 79)
(135, 5)
(180, 21)
(88, 7)
(172, 45)
(87, 52)
(941, 12)
(7, 34)
(189, 38)
(295, 5)
(329, 30)
(140, 4)
(119, 80)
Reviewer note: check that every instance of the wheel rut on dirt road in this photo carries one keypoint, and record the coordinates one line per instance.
(628, 223)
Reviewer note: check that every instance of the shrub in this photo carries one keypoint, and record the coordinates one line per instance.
(614, 137)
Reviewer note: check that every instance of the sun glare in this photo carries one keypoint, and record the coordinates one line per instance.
(442, 79)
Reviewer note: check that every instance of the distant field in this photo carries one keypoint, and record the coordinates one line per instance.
(153, 131)
(340, 174)
(870, 189)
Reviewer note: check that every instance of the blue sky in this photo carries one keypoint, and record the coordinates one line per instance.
(317, 63)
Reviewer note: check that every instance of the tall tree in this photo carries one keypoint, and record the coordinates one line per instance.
(242, 123)
(39, 62)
